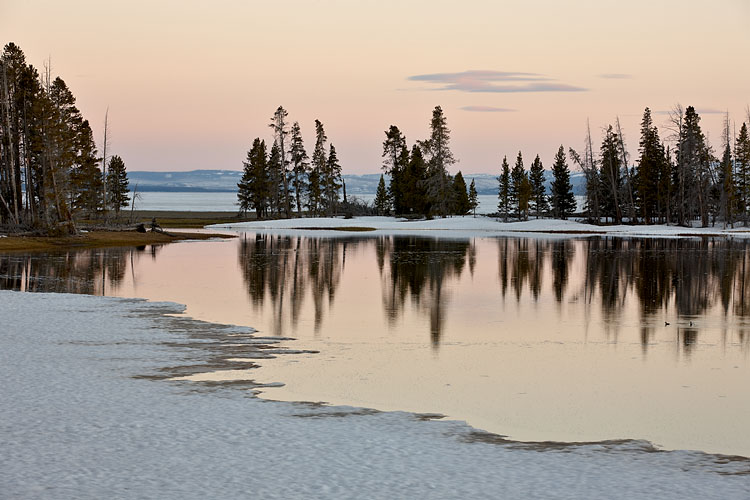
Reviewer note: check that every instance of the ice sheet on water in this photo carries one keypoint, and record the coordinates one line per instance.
(85, 413)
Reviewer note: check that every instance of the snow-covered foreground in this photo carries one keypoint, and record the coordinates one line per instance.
(87, 410)
(470, 226)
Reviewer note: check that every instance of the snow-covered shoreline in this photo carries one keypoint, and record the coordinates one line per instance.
(85, 412)
(469, 226)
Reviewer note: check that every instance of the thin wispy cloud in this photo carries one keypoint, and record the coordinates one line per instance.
(495, 82)
(487, 109)
(616, 76)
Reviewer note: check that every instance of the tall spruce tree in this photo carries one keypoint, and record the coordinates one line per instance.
(650, 167)
(503, 204)
(395, 159)
(300, 166)
(726, 183)
(280, 132)
(415, 180)
(254, 187)
(742, 168)
(382, 200)
(460, 197)
(439, 157)
(86, 177)
(562, 199)
(540, 204)
(693, 178)
(473, 198)
(611, 176)
(318, 166)
(275, 169)
(331, 181)
(117, 184)
(517, 178)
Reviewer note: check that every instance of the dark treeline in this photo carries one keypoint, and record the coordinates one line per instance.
(284, 181)
(678, 183)
(50, 170)
(420, 182)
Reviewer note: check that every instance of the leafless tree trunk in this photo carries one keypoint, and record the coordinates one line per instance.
(105, 144)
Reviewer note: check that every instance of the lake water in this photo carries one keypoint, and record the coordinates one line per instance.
(548, 338)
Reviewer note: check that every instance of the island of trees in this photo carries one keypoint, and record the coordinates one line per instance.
(51, 174)
(675, 181)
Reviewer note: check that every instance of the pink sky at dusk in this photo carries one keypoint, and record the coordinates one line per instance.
(190, 84)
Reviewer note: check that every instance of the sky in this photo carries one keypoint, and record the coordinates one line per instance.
(189, 84)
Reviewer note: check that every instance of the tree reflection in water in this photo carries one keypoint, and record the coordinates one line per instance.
(677, 280)
(89, 271)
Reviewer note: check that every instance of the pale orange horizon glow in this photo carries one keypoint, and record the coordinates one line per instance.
(189, 85)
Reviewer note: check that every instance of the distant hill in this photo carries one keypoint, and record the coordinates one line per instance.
(222, 181)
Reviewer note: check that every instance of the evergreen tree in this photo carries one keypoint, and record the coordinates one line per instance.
(517, 177)
(693, 176)
(275, 169)
(611, 177)
(117, 184)
(742, 168)
(562, 199)
(331, 181)
(415, 180)
(300, 166)
(727, 197)
(439, 158)
(382, 201)
(254, 187)
(473, 198)
(395, 160)
(280, 133)
(503, 205)
(650, 167)
(86, 177)
(539, 201)
(319, 164)
(461, 205)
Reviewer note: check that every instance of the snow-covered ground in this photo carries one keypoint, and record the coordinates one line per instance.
(467, 226)
(87, 410)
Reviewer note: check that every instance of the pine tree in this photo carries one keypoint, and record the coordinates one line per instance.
(460, 197)
(439, 158)
(473, 198)
(117, 184)
(415, 180)
(300, 166)
(562, 199)
(503, 205)
(395, 159)
(693, 176)
(650, 165)
(319, 164)
(86, 177)
(254, 187)
(382, 201)
(280, 133)
(742, 161)
(331, 181)
(275, 171)
(727, 198)
(517, 177)
(611, 176)
(539, 201)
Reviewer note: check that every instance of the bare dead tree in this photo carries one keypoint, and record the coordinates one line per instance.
(105, 144)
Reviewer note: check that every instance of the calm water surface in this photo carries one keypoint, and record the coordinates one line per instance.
(569, 339)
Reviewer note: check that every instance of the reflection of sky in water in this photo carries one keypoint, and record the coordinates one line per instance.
(536, 338)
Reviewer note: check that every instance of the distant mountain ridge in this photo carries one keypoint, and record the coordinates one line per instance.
(223, 181)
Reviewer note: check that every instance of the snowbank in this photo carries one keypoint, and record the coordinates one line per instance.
(87, 410)
(478, 226)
